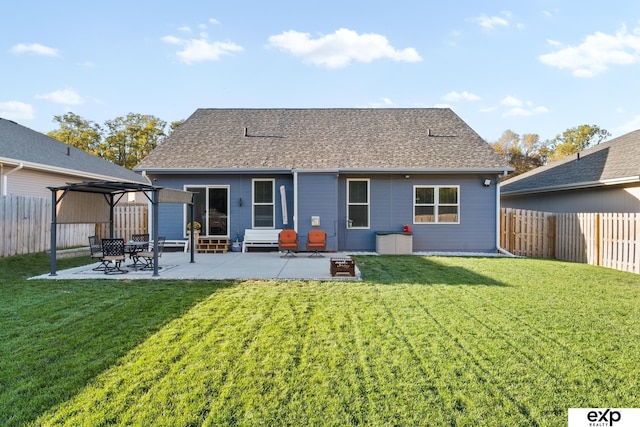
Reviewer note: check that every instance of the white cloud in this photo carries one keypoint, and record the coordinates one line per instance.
(382, 103)
(35, 48)
(491, 22)
(596, 53)
(214, 21)
(63, 96)
(172, 40)
(185, 29)
(16, 110)
(337, 50)
(463, 96)
(518, 107)
(197, 50)
(511, 101)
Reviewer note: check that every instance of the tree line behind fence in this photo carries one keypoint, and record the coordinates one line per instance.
(604, 239)
(25, 225)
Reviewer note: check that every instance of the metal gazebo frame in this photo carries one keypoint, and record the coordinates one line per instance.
(113, 193)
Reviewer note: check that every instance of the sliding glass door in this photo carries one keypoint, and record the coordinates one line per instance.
(211, 210)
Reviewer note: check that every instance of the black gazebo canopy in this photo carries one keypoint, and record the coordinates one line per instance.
(91, 202)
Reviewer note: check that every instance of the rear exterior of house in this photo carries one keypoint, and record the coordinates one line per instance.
(350, 172)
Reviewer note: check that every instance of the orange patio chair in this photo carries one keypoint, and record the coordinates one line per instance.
(287, 242)
(316, 242)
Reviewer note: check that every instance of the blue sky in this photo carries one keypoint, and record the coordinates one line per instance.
(536, 66)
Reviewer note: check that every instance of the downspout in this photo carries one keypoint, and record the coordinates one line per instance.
(498, 247)
(5, 181)
(295, 201)
(144, 175)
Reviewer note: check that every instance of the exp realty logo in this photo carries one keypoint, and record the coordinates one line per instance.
(604, 417)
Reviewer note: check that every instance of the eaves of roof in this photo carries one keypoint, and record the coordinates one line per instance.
(192, 171)
(573, 186)
(64, 171)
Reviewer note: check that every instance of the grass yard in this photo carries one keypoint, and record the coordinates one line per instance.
(421, 341)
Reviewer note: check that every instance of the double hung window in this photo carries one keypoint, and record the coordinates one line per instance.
(264, 205)
(357, 203)
(436, 204)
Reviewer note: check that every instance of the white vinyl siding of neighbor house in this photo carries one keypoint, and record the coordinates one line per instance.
(358, 203)
(436, 204)
(264, 204)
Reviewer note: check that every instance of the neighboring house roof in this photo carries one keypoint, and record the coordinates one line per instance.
(613, 162)
(428, 139)
(21, 145)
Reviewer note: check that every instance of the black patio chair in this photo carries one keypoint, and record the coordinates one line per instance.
(133, 247)
(112, 256)
(95, 246)
(141, 238)
(147, 256)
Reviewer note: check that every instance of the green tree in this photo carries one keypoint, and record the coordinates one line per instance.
(129, 139)
(174, 125)
(77, 132)
(577, 139)
(523, 153)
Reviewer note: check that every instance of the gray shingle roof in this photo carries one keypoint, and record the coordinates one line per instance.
(324, 139)
(21, 144)
(616, 159)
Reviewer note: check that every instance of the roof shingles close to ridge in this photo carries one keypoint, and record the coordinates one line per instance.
(422, 138)
(616, 159)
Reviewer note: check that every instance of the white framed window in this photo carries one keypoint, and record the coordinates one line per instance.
(264, 206)
(357, 203)
(436, 204)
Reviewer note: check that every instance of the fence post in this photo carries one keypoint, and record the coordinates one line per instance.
(553, 224)
(512, 231)
(598, 239)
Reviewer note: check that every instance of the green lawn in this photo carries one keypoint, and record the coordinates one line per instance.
(421, 341)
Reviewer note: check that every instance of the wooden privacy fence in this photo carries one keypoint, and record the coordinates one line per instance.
(128, 219)
(606, 239)
(25, 225)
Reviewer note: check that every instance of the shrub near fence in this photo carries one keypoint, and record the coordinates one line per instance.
(25, 225)
(605, 239)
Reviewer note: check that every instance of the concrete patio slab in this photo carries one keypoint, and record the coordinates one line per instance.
(232, 265)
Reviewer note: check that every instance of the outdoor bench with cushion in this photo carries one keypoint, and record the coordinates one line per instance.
(260, 238)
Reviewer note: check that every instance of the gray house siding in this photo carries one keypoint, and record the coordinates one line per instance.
(317, 197)
(172, 218)
(601, 199)
(391, 207)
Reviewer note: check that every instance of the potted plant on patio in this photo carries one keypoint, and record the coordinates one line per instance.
(196, 229)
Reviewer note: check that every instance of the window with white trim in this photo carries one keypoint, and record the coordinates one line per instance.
(436, 204)
(357, 203)
(264, 205)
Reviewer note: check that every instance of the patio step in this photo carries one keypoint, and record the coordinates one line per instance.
(210, 245)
